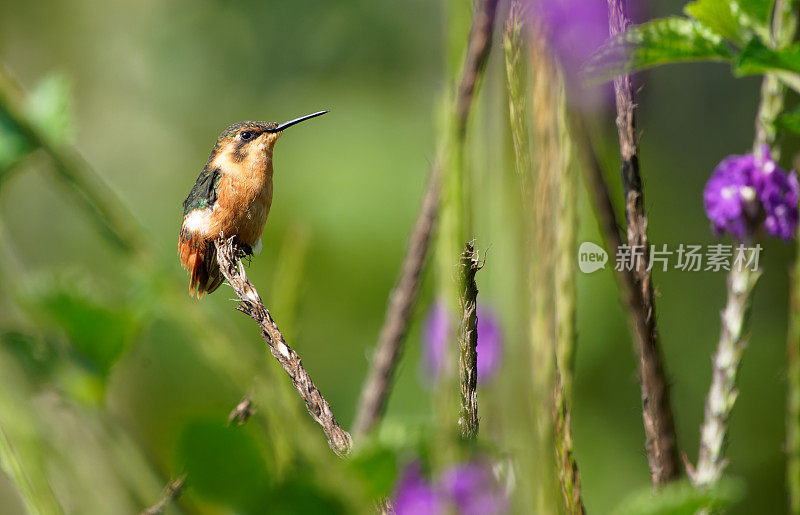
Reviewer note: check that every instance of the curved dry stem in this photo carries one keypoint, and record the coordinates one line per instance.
(231, 266)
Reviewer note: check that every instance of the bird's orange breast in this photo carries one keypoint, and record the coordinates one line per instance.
(244, 196)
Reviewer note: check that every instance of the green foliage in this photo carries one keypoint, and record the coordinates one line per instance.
(681, 498)
(35, 356)
(13, 145)
(49, 106)
(376, 466)
(789, 121)
(668, 40)
(756, 58)
(726, 18)
(224, 464)
(97, 331)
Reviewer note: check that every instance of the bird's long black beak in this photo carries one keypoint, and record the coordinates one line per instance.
(288, 124)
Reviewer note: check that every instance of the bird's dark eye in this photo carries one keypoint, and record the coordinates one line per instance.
(246, 135)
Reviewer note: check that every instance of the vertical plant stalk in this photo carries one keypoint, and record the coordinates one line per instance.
(250, 304)
(375, 392)
(566, 298)
(661, 442)
(547, 92)
(468, 343)
(94, 196)
(722, 393)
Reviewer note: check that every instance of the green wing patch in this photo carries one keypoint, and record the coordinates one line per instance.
(204, 191)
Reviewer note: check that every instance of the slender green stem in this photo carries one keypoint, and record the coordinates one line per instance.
(722, 393)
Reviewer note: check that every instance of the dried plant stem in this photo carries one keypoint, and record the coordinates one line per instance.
(722, 393)
(468, 343)
(250, 304)
(104, 207)
(661, 442)
(171, 493)
(374, 393)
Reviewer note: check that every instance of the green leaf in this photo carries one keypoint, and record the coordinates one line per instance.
(758, 10)
(34, 355)
(376, 465)
(49, 106)
(726, 18)
(13, 145)
(789, 121)
(223, 464)
(97, 331)
(298, 495)
(681, 498)
(657, 42)
(756, 58)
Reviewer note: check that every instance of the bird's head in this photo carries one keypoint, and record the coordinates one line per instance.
(246, 141)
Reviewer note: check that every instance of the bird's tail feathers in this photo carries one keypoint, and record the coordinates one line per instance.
(199, 258)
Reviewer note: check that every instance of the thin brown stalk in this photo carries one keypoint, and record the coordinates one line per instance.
(374, 393)
(468, 343)
(250, 304)
(661, 442)
(171, 493)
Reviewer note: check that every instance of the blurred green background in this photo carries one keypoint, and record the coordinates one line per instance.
(112, 379)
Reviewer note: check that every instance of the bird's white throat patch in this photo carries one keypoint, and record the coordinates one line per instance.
(198, 221)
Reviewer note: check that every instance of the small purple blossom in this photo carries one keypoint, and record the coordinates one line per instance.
(414, 495)
(473, 490)
(575, 29)
(467, 489)
(747, 191)
(438, 332)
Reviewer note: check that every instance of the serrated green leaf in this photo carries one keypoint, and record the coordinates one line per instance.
(681, 498)
(726, 18)
(49, 107)
(756, 58)
(657, 42)
(784, 64)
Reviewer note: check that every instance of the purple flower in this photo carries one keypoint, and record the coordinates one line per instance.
(464, 489)
(438, 332)
(414, 495)
(575, 29)
(747, 191)
(473, 490)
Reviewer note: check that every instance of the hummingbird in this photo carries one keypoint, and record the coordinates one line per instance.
(231, 196)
